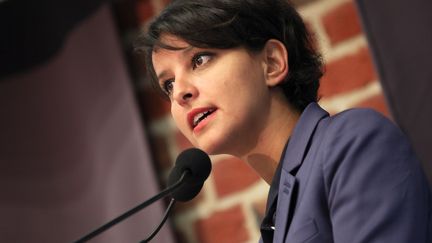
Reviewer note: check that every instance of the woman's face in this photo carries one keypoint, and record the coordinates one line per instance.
(219, 98)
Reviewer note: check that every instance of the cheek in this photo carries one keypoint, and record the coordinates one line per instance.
(244, 86)
(177, 116)
(180, 121)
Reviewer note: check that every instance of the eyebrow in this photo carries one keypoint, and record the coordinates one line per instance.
(184, 50)
(161, 75)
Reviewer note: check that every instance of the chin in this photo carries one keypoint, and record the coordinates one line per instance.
(217, 149)
(209, 150)
(212, 148)
(215, 142)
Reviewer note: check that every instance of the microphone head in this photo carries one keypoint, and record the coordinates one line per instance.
(198, 164)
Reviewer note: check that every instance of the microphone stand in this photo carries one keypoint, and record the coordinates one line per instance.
(136, 209)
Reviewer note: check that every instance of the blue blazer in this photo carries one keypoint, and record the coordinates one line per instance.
(350, 178)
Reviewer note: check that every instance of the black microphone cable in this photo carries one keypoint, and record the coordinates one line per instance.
(136, 209)
(165, 217)
(185, 181)
(198, 164)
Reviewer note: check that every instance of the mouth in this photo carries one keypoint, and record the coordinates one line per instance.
(196, 116)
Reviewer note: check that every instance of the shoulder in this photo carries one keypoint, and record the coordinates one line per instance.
(361, 143)
(363, 128)
(360, 120)
(369, 168)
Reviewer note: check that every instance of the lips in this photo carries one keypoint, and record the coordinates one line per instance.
(198, 115)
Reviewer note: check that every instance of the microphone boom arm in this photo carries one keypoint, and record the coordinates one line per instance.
(125, 215)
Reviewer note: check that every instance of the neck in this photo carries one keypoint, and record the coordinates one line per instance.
(264, 157)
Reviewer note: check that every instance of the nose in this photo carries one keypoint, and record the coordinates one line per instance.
(184, 91)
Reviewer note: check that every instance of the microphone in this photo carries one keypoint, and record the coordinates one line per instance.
(185, 181)
(197, 163)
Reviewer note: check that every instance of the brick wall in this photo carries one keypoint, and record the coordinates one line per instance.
(230, 207)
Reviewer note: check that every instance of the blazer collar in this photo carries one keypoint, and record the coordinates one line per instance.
(295, 150)
(302, 133)
(291, 161)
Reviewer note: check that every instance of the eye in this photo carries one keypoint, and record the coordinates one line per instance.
(201, 59)
(167, 86)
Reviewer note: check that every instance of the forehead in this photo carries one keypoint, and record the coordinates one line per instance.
(169, 50)
(168, 47)
(170, 42)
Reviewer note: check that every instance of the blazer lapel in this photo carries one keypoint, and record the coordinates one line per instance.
(301, 135)
(283, 205)
(292, 160)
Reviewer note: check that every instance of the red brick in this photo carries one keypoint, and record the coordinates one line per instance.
(144, 10)
(232, 175)
(342, 23)
(182, 142)
(347, 73)
(377, 103)
(166, 2)
(226, 226)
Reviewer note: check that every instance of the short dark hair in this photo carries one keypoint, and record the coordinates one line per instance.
(225, 24)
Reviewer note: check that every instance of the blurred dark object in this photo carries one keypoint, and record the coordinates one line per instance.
(73, 151)
(400, 37)
(33, 31)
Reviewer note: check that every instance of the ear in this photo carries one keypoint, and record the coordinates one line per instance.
(276, 62)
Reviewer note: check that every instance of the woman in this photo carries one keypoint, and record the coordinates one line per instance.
(242, 78)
